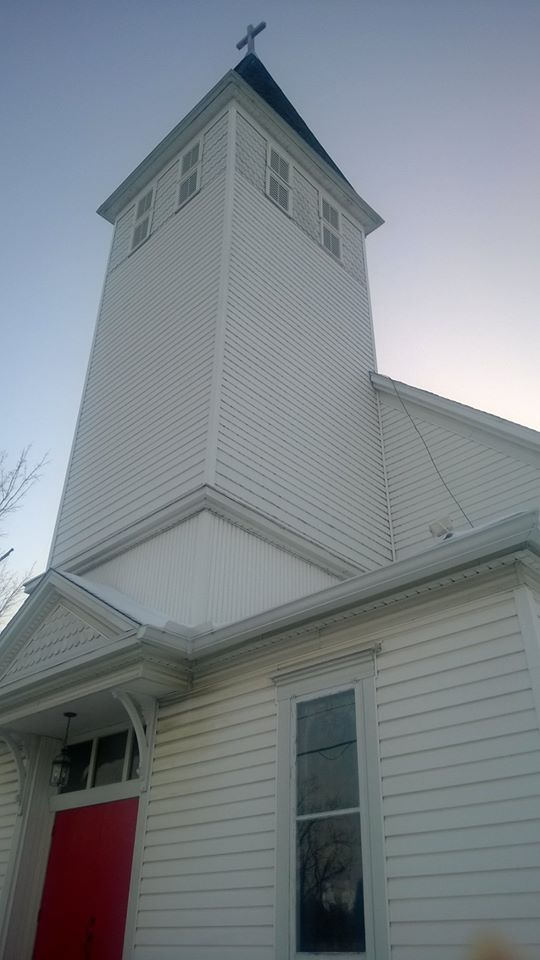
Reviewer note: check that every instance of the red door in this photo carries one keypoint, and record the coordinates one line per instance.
(83, 908)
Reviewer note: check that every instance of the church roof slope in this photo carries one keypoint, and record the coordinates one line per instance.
(261, 81)
(472, 416)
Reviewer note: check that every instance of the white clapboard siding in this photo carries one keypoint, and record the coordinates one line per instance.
(207, 888)
(487, 482)
(460, 766)
(298, 431)
(207, 570)
(141, 440)
(9, 788)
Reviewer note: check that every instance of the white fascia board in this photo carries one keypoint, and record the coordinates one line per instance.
(460, 413)
(517, 533)
(233, 510)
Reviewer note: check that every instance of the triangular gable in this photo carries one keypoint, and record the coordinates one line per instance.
(59, 620)
(444, 459)
(514, 439)
(62, 637)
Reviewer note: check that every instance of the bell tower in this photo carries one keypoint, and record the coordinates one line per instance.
(227, 455)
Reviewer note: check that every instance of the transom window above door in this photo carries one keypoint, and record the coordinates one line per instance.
(102, 760)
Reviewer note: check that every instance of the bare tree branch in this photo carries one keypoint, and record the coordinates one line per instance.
(15, 482)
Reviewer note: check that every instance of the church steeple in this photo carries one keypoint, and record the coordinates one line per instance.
(229, 373)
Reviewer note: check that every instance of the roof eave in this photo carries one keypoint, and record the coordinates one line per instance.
(489, 422)
(216, 99)
(506, 537)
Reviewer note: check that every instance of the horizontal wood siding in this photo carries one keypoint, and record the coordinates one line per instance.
(460, 780)
(207, 887)
(206, 570)
(298, 432)
(9, 788)
(487, 482)
(460, 765)
(141, 439)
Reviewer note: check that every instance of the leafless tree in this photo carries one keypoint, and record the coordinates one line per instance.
(15, 482)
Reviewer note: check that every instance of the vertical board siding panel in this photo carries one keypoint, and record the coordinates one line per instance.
(241, 573)
(152, 451)
(9, 788)
(207, 876)
(305, 366)
(460, 783)
(158, 573)
(487, 483)
(248, 575)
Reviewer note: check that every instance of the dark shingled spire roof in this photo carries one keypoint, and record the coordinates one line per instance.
(255, 73)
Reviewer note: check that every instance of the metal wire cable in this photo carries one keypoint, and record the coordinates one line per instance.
(428, 451)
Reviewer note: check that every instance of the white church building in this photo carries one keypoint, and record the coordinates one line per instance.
(301, 723)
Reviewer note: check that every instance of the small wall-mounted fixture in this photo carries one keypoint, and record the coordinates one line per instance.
(442, 529)
(61, 764)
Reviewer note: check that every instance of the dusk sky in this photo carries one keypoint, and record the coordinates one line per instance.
(430, 108)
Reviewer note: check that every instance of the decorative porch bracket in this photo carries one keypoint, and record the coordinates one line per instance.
(141, 712)
(19, 746)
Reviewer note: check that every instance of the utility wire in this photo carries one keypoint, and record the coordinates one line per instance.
(428, 451)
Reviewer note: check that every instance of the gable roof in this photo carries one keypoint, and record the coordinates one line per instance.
(488, 423)
(259, 79)
(109, 609)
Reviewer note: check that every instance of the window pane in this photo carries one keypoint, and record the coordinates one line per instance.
(329, 886)
(110, 759)
(135, 759)
(79, 755)
(327, 764)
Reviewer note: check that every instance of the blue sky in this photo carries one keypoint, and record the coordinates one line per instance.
(430, 108)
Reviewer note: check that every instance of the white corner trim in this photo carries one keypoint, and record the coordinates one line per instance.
(530, 631)
(223, 295)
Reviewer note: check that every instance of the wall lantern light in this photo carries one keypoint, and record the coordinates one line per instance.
(62, 763)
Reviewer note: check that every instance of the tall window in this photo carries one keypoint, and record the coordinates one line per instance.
(278, 178)
(112, 758)
(331, 897)
(143, 218)
(329, 879)
(190, 173)
(330, 228)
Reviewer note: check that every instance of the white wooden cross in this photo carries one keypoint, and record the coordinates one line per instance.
(249, 38)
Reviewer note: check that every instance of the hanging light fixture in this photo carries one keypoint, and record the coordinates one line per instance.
(62, 762)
